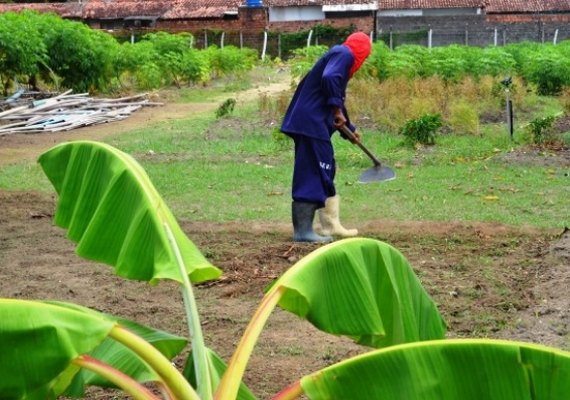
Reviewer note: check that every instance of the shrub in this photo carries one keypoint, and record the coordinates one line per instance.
(549, 71)
(226, 108)
(449, 63)
(304, 58)
(21, 48)
(403, 64)
(81, 56)
(493, 61)
(230, 59)
(423, 129)
(540, 129)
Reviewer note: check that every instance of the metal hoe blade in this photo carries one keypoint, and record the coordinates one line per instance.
(378, 173)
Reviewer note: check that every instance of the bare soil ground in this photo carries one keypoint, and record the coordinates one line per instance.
(488, 280)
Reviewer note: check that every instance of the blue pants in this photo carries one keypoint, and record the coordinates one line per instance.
(314, 170)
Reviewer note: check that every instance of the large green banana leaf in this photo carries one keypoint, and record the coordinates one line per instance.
(362, 288)
(459, 369)
(38, 340)
(111, 209)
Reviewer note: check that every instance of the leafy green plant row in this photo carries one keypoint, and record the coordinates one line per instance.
(66, 53)
(69, 53)
(361, 288)
(544, 65)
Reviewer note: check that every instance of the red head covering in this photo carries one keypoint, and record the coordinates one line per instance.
(359, 45)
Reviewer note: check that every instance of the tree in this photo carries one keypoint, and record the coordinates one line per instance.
(21, 49)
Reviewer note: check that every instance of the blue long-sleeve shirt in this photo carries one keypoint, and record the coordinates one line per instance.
(310, 112)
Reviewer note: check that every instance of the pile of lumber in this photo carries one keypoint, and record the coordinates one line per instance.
(67, 111)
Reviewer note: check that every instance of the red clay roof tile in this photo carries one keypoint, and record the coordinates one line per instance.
(201, 9)
(526, 6)
(177, 9)
(427, 4)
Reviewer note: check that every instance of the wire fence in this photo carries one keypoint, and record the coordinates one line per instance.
(482, 37)
(270, 44)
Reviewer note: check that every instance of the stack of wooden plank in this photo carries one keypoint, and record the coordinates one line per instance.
(68, 111)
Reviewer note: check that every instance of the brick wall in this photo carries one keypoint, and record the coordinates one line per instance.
(362, 23)
(474, 30)
(255, 20)
(248, 29)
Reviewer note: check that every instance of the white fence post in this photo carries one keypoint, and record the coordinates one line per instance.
(264, 45)
(309, 38)
(222, 40)
(430, 38)
(555, 36)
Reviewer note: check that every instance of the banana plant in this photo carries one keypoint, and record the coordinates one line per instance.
(362, 288)
(466, 369)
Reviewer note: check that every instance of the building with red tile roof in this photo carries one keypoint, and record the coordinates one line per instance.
(454, 18)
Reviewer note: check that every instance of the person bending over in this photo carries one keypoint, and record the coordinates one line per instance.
(316, 111)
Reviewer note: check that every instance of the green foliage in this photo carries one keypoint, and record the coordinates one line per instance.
(375, 65)
(131, 56)
(22, 49)
(544, 65)
(226, 108)
(80, 56)
(304, 59)
(157, 61)
(454, 62)
(77, 57)
(550, 71)
(149, 76)
(492, 61)
(194, 66)
(406, 62)
(423, 129)
(451, 63)
(230, 59)
(177, 61)
(539, 128)
(165, 43)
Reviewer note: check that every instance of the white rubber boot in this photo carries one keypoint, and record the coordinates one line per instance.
(330, 219)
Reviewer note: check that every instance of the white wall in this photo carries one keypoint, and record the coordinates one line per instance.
(399, 13)
(427, 12)
(282, 14)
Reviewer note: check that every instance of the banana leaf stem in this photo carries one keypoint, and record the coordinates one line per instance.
(291, 392)
(120, 379)
(172, 378)
(229, 385)
(199, 356)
